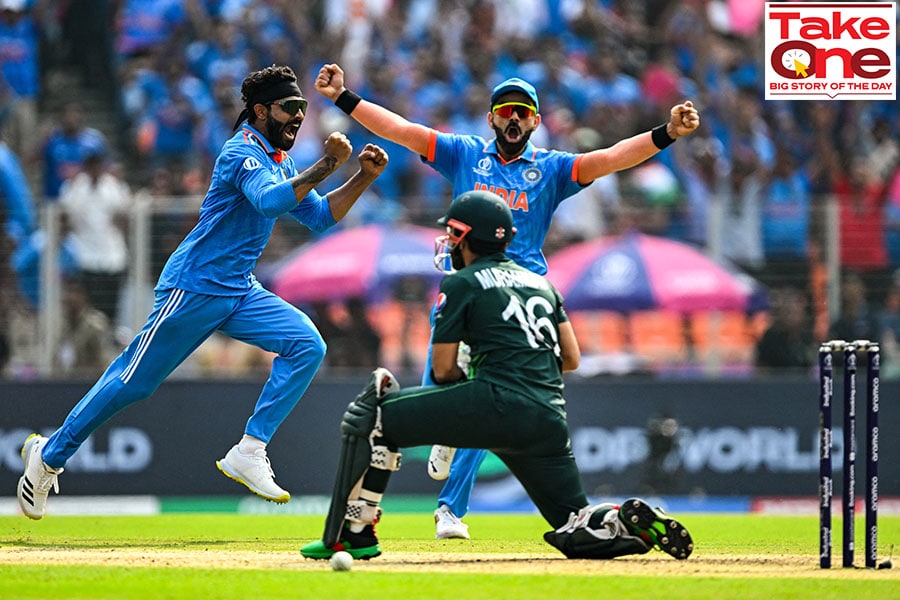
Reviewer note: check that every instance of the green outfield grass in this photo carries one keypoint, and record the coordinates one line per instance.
(40, 559)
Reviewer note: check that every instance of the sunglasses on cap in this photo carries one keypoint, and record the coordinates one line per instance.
(507, 109)
(292, 106)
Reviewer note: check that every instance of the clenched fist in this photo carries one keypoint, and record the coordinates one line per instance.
(372, 160)
(338, 147)
(683, 120)
(330, 81)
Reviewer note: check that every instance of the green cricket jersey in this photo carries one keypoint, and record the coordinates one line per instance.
(510, 318)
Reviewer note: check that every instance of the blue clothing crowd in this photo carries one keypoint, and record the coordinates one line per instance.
(603, 69)
(606, 68)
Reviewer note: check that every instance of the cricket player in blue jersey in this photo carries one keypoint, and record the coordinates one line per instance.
(533, 182)
(208, 285)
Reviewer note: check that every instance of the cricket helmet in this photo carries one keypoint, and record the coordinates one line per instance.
(479, 215)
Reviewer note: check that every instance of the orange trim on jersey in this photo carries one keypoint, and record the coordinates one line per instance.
(277, 155)
(576, 166)
(251, 137)
(432, 145)
(522, 156)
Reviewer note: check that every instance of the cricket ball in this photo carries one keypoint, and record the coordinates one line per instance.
(341, 561)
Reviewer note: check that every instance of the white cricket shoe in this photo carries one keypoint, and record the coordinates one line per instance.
(439, 462)
(447, 525)
(255, 472)
(38, 478)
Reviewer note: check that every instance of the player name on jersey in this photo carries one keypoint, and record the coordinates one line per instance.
(493, 277)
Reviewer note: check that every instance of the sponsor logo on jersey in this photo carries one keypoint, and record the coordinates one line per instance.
(251, 163)
(440, 303)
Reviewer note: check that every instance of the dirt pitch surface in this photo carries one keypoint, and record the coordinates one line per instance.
(654, 564)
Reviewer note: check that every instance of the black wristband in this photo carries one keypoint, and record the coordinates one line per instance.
(347, 101)
(660, 136)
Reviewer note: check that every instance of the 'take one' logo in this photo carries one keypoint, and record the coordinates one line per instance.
(828, 50)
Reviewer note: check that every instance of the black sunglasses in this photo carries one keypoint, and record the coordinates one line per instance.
(292, 106)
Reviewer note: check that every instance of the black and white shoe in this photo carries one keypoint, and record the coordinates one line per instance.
(37, 480)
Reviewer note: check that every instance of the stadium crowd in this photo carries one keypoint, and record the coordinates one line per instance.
(604, 70)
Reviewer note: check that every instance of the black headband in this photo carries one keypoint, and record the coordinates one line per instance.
(276, 91)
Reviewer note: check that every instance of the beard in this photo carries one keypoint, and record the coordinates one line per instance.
(274, 132)
(511, 149)
(456, 259)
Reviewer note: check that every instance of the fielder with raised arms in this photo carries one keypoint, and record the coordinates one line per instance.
(208, 285)
(533, 182)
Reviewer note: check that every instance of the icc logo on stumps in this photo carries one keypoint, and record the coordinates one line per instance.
(831, 50)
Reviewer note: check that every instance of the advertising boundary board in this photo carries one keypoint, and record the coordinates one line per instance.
(729, 437)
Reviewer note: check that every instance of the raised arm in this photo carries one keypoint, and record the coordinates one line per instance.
(337, 151)
(377, 119)
(683, 120)
(372, 161)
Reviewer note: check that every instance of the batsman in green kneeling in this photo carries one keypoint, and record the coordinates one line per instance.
(509, 401)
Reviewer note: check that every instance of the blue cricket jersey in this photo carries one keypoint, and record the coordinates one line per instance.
(533, 185)
(249, 189)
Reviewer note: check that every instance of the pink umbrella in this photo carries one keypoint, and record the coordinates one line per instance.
(363, 262)
(636, 271)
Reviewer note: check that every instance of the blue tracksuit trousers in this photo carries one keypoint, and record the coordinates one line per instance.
(179, 323)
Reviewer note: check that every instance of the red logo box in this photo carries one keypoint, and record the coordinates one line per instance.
(831, 50)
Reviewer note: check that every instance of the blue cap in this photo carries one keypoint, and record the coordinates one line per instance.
(515, 84)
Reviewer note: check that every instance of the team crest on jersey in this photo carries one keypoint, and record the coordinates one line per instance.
(484, 167)
(251, 163)
(532, 174)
